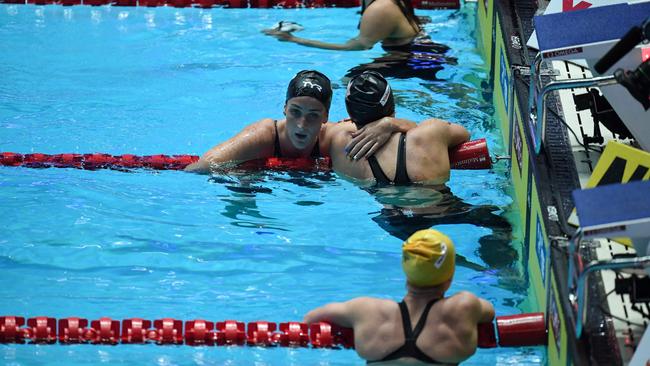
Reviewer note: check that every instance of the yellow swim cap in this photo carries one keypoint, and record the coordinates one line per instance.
(428, 258)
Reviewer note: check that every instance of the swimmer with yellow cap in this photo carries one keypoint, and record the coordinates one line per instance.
(428, 258)
(443, 330)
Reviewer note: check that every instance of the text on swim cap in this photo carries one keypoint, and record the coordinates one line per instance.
(307, 83)
(441, 260)
(384, 98)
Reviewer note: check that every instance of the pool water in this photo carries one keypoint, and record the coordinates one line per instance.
(265, 246)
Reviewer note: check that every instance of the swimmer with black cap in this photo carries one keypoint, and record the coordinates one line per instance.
(419, 154)
(446, 327)
(303, 133)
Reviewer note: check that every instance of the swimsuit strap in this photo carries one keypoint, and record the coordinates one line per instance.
(315, 152)
(401, 175)
(423, 319)
(377, 172)
(276, 150)
(410, 348)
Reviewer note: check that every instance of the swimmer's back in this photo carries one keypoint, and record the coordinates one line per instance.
(449, 336)
(397, 32)
(427, 155)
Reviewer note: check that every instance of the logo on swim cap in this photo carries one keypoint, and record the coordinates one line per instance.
(307, 83)
(428, 258)
(369, 98)
(441, 260)
(387, 94)
(311, 83)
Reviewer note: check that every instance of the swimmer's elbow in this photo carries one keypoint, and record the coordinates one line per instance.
(458, 134)
(487, 311)
(357, 44)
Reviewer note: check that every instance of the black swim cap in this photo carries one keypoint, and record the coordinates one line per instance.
(311, 83)
(369, 98)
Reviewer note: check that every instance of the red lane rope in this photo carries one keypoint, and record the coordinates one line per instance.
(206, 4)
(513, 330)
(469, 155)
(97, 161)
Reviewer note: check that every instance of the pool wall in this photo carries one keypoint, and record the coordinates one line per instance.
(542, 183)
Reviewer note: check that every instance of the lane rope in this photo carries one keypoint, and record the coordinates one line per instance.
(510, 331)
(207, 4)
(469, 155)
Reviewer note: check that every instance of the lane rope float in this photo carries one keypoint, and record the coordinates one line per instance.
(510, 331)
(469, 155)
(207, 4)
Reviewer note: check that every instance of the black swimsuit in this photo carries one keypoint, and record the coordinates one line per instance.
(401, 175)
(277, 152)
(410, 348)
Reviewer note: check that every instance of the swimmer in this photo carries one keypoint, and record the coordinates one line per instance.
(425, 326)
(391, 22)
(303, 133)
(419, 155)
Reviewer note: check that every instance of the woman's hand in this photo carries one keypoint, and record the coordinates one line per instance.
(280, 35)
(368, 139)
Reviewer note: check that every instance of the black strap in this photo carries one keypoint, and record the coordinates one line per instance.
(276, 150)
(315, 152)
(401, 175)
(377, 172)
(423, 319)
(410, 348)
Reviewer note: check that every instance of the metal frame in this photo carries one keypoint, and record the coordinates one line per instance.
(537, 110)
(639, 262)
(537, 106)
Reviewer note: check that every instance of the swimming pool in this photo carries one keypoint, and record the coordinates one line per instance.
(171, 244)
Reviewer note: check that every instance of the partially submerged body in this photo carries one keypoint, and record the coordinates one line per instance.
(425, 156)
(390, 22)
(426, 326)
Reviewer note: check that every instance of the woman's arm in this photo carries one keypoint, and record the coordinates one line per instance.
(345, 314)
(354, 44)
(377, 23)
(253, 142)
(371, 137)
(336, 313)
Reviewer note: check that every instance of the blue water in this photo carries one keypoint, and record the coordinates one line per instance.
(171, 244)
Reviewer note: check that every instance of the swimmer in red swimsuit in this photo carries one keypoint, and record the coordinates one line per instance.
(303, 133)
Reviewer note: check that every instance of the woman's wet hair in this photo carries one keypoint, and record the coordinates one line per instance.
(311, 83)
(369, 98)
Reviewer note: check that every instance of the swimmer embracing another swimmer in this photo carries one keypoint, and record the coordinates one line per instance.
(391, 22)
(304, 132)
(419, 155)
(425, 326)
